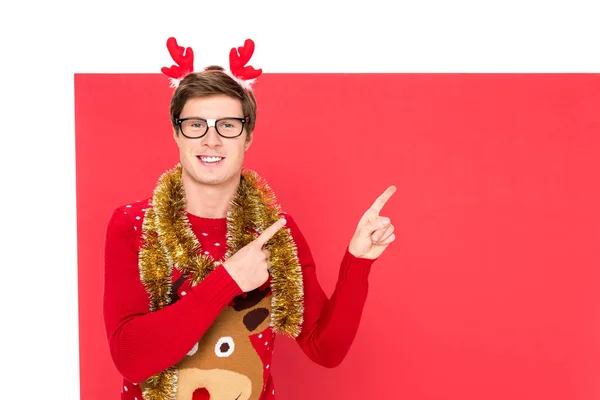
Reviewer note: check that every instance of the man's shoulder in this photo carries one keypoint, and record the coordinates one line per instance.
(130, 213)
(134, 207)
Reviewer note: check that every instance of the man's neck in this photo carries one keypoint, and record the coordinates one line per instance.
(209, 201)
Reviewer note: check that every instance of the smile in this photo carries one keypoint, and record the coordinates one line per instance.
(210, 159)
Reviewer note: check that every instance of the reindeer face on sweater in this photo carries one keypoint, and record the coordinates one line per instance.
(227, 362)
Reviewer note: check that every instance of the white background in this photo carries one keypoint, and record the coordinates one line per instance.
(44, 43)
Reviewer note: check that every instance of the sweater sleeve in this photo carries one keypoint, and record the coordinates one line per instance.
(144, 343)
(330, 324)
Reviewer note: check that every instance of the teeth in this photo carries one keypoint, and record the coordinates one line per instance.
(211, 159)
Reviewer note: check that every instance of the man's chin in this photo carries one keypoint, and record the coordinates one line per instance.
(210, 180)
(210, 176)
(214, 179)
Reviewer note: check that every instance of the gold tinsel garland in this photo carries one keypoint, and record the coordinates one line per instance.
(169, 242)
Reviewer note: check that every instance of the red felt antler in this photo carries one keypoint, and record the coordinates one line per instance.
(238, 59)
(185, 61)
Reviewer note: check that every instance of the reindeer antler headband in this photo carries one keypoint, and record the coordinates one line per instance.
(244, 74)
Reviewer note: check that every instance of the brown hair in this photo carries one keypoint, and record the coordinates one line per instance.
(212, 81)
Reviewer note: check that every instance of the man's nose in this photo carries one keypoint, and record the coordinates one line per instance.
(212, 138)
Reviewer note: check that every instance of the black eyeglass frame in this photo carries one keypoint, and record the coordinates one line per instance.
(179, 121)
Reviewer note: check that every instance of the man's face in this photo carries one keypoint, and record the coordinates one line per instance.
(212, 159)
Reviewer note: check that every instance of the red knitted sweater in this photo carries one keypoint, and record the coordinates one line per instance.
(204, 323)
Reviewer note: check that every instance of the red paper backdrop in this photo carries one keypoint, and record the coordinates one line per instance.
(492, 288)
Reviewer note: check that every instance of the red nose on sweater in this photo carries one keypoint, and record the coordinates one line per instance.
(201, 394)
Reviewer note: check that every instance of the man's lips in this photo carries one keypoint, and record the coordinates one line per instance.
(210, 160)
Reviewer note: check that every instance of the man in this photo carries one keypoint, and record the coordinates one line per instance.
(202, 276)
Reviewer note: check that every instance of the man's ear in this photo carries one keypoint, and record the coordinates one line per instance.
(176, 136)
(248, 143)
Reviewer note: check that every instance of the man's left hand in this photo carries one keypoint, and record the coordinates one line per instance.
(374, 233)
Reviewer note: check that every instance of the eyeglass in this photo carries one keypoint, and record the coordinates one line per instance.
(195, 128)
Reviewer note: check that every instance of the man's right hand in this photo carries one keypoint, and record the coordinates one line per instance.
(249, 266)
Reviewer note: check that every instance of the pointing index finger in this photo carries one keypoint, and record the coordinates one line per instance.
(383, 198)
(268, 233)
